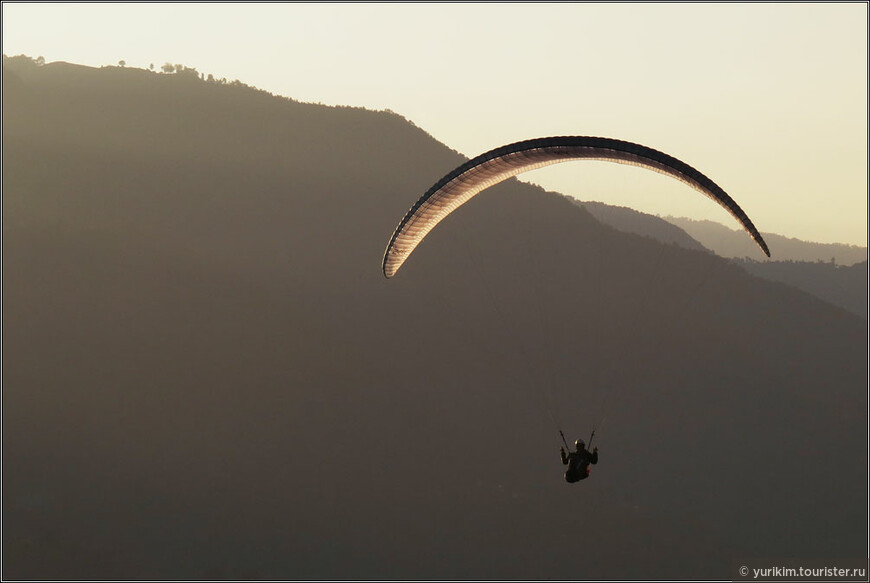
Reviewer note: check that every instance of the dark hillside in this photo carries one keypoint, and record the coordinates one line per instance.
(843, 286)
(632, 221)
(206, 375)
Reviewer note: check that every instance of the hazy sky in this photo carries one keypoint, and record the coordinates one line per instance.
(768, 100)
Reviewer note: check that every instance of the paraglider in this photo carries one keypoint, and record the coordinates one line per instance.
(499, 164)
(578, 461)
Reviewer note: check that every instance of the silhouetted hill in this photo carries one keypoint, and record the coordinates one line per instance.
(845, 287)
(728, 242)
(206, 375)
(840, 285)
(632, 221)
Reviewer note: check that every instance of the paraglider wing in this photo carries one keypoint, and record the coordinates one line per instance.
(500, 164)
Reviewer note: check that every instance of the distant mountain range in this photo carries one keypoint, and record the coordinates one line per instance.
(841, 285)
(631, 221)
(728, 242)
(836, 273)
(206, 375)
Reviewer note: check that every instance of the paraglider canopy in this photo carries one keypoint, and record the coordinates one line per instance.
(499, 164)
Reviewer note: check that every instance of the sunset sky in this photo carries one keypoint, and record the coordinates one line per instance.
(768, 100)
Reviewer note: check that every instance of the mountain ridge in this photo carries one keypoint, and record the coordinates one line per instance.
(727, 242)
(841, 285)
